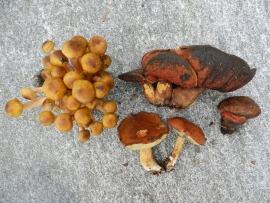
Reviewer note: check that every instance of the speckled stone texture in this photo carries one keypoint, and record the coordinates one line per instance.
(40, 164)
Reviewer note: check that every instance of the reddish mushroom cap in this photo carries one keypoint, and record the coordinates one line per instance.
(187, 129)
(240, 106)
(142, 130)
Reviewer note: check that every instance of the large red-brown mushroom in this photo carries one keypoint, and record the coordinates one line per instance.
(143, 131)
(168, 75)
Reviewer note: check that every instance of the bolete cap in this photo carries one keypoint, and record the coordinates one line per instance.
(240, 106)
(187, 129)
(142, 130)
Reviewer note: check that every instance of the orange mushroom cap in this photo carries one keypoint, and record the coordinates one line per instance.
(142, 130)
(187, 129)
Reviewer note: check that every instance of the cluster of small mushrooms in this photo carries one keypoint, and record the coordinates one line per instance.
(75, 83)
(175, 78)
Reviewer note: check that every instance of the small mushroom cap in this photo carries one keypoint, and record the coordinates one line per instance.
(54, 88)
(83, 91)
(63, 122)
(141, 131)
(28, 93)
(240, 106)
(73, 48)
(187, 129)
(14, 108)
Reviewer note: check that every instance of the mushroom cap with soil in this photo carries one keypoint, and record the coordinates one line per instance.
(143, 131)
(235, 111)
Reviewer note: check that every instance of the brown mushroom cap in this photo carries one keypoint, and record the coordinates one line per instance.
(48, 46)
(91, 62)
(54, 88)
(83, 91)
(28, 93)
(187, 129)
(80, 39)
(46, 118)
(14, 108)
(57, 58)
(73, 49)
(240, 106)
(70, 77)
(97, 45)
(63, 122)
(142, 130)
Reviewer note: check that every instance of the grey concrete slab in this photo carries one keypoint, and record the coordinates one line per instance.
(40, 164)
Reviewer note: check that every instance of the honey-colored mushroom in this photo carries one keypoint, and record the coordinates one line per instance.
(54, 88)
(83, 91)
(63, 122)
(14, 107)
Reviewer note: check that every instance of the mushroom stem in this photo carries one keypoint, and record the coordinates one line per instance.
(34, 103)
(100, 108)
(170, 162)
(149, 163)
(96, 78)
(37, 89)
(68, 68)
(76, 64)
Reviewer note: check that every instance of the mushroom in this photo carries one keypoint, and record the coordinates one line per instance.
(48, 46)
(84, 134)
(96, 128)
(185, 130)
(97, 45)
(83, 91)
(91, 62)
(235, 111)
(143, 131)
(63, 122)
(14, 107)
(46, 118)
(57, 58)
(54, 88)
(29, 93)
(109, 120)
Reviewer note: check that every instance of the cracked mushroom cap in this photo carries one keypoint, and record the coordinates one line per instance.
(240, 106)
(187, 129)
(142, 130)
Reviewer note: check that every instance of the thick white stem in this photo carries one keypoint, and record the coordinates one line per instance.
(170, 162)
(149, 163)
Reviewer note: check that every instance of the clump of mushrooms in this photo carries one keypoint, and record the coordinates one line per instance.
(143, 131)
(73, 91)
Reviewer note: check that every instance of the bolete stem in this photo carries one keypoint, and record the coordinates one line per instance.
(149, 163)
(170, 162)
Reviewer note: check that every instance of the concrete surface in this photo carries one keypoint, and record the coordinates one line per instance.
(40, 164)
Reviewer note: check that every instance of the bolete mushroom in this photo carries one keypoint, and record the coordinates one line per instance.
(143, 131)
(235, 111)
(185, 130)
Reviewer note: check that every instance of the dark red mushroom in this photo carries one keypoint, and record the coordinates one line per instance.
(235, 111)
